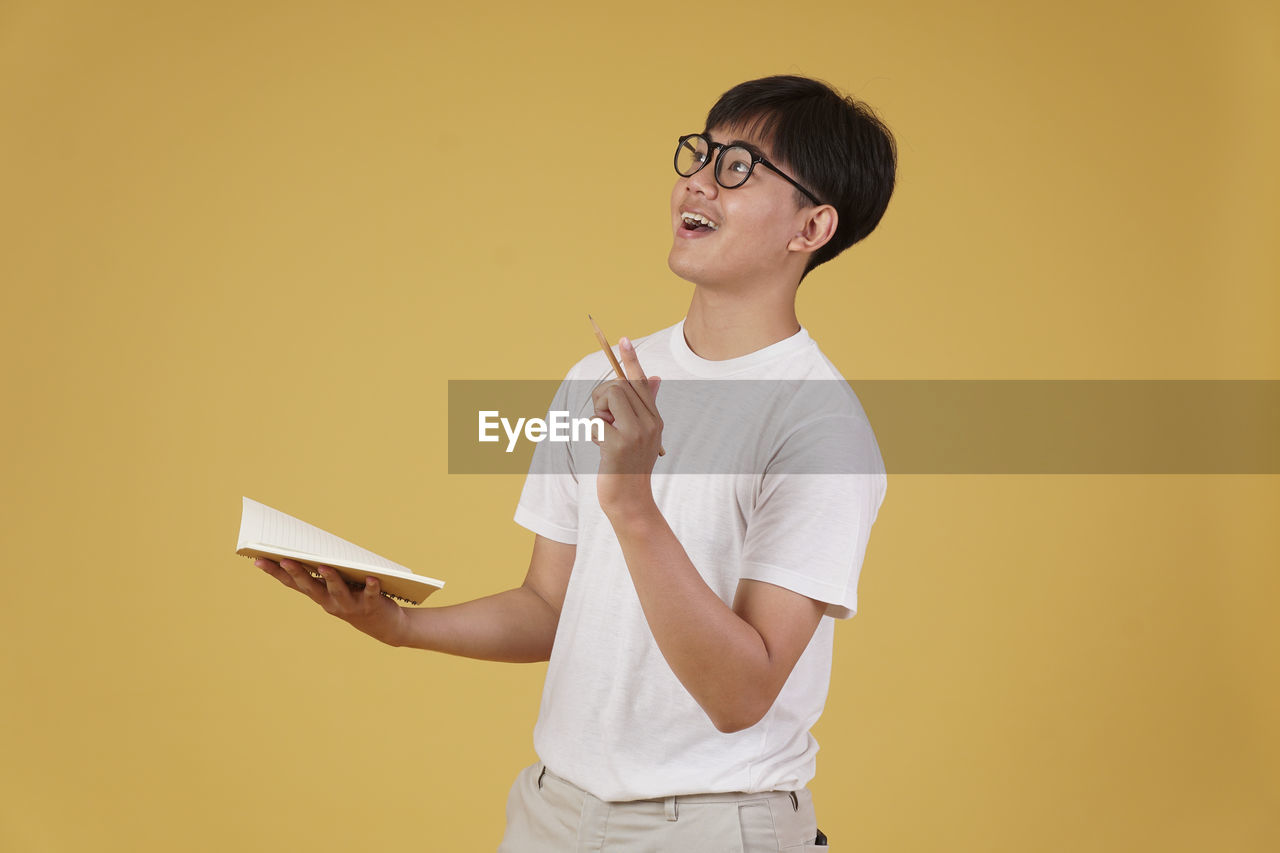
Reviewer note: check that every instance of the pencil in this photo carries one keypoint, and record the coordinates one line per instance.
(608, 351)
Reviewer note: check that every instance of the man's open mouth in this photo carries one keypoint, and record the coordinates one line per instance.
(697, 222)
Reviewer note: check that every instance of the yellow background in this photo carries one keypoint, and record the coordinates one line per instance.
(244, 246)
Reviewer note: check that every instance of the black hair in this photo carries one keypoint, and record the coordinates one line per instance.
(832, 144)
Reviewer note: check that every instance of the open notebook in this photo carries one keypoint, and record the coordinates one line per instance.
(265, 532)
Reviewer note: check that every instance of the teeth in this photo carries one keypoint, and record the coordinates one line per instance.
(699, 219)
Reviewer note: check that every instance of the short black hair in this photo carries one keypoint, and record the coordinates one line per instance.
(832, 144)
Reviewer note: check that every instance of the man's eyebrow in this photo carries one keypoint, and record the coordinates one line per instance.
(742, 143)
(754, 149)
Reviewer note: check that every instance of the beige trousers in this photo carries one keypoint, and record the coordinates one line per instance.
(546, 814)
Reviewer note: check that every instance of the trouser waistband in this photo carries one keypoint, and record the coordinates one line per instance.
(672, 803)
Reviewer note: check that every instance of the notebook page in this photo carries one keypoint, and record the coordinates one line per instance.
(263, 526)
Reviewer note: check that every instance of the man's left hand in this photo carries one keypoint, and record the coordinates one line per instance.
(632, 436)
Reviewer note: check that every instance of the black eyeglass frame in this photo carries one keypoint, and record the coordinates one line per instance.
(756, 159)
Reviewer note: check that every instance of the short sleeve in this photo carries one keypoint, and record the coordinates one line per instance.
(812, 516)
(548, 503)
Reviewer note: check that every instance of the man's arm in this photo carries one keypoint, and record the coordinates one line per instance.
(518, 625)
(733, 661)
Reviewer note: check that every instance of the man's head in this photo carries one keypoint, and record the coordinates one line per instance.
(832, 146)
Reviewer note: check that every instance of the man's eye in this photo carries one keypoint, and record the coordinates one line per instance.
(740, 167)
(691, 153)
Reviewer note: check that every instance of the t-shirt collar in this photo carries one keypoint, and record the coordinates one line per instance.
(699, 366)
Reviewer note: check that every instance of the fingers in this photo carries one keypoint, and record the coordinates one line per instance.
(306, 582)
(600, 404)
(351, 594)
(330, 590)
(336, 586)
(291, 574)
(635, 375)
(641, 390)
(610, 401)
(620, 409)
(618, 402)
(272, 568)
(627, 405)
(361, 605)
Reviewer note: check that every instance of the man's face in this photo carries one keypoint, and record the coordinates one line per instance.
(751, 227)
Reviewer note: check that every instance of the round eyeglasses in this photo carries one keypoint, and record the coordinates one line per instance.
(734, 163)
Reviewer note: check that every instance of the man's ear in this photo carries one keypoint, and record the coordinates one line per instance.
(816, 229)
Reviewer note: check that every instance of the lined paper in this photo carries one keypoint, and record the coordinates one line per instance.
(261, 524)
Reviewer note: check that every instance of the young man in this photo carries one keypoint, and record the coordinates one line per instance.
(683, 601)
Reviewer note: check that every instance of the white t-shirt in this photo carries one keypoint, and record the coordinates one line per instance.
(783, 488)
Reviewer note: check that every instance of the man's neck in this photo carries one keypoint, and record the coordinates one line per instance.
(721, 326)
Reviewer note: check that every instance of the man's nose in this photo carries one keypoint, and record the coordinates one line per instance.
(703, 181)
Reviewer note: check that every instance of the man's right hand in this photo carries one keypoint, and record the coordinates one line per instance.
(517, 625)
(366, 609)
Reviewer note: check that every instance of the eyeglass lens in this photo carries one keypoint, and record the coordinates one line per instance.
(733, 165)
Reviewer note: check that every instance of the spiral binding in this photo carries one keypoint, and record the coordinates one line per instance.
(351, 584)
(355, 587)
